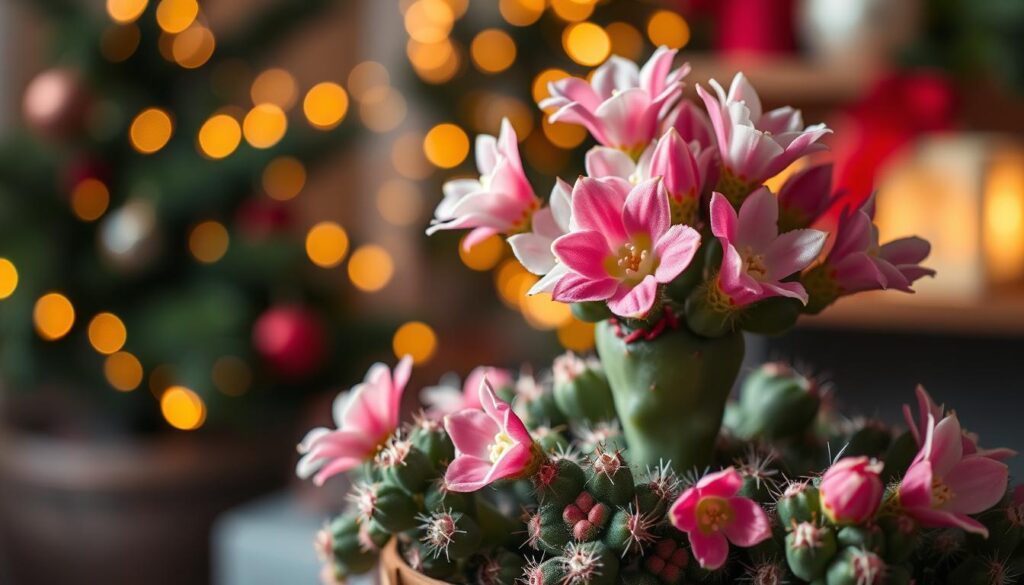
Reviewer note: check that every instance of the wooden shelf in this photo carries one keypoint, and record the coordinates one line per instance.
(879, 311)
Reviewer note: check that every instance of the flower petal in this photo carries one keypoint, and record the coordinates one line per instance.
(647, 211)
(792, 252)
(711, 550)
(945, 519)
(750, 524)
(637, 301)
(584, 252)
(757, 226)
(723, 217)
(977, 483)
(723, 484)
(597, 206)
(472, 431)
(675, 250)
(533, 252)
(467, 474)
(574, 288)
(683, 513)
(603, 161)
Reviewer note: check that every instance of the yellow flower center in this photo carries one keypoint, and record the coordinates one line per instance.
(633, 261)
(713, 514)
(754, 264)
(502, 443)
(940, 493)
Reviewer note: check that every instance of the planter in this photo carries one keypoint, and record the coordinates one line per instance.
(130, 512)
(395, 571)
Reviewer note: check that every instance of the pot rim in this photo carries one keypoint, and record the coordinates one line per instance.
(395, 571)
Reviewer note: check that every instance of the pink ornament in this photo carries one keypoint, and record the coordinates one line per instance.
(291, 340)
(851, 490)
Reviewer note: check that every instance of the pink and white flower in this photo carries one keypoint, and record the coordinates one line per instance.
(692, 124)
(755, 258)
(805, 196)
(533, 249)
(448, 397)
(926, 407)
(623, 106)
(944, 486)
(365, 417)
(851, 490)
(500, 201)
(712, 516)
(490, 444)
(623, 246)
(756, 145)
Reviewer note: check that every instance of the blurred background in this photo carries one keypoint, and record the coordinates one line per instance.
(212, 215)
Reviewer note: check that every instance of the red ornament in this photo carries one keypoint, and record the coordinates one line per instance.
(291, 340)
(259, 217)
(755, 27)
(56, 103)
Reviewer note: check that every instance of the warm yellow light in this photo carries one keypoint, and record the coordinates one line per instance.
(264, 125)
(8, 278)
(182, 408)
(53, 316)
(493, 50)
(521, 12)
(484, 255)
(573, 10)
(512, 282)
(107, 333)
(544, 156)
(399, 202)
(434, 62)
(576, 336)
(668, 28)
(119, 42)
(627, 42)
(408, 158)
(325, 105)
(775, 183)
(208, 241)
(1004, 218)
(429, 21)
(543, 313)
(193, 47)
(125, 11)
(284, 178)
(586, 43)
(326, 244)
(370, 268)
(274, 86)
(382, 109)
(219, 136)
(446, 146)
(415, 339)
(174, 16)
(563, 135)
(89, 199)
(541, 81)
(458, 7)
(123, 371)
(231, 375)
(367, 76)
(150, 130)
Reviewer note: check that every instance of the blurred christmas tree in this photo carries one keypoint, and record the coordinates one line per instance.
(148, 268)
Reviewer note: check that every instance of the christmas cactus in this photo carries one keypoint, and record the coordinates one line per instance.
(633, 467)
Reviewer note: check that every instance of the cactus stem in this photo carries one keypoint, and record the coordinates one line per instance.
(439, 530)
(663, 480)
(364, 497)
(639, 526)
(581, 564)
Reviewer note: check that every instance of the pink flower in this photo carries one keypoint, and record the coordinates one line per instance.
(491, 444)
(447, 397)
(533, 249)
(623, 247)
(692, 124)
(755, 258)
(926, 408)
(805, 196)
(623, 106)
(365, 416)
(851, 490)
(713, 515)
(500, 201)
(943, 486)
(683, 169)
(756, 145)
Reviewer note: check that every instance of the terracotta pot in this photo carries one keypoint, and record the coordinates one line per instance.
(394, 570)
(126, 512)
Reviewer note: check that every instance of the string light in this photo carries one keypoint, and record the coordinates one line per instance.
(576, 335)
(208, 241)
(370, 268)
(283, 178)
(193, 47)
(382, 109)
(325, 105)
(182, 408)
(573, 10)
(541, 81)
(562, 134)
(150, 130)
(274, 86)
(8, 278)
(484, 255)
(123, 371)
(586, 43)
(264, 125)
(126, 11)
(119, 42)
(446, 146)
(415, 339)
(174, 16)
(219, 136)
(89, 199)
(367, 76)
(326, 244)
(521, 12)
(429, 21)
(231, 375)
(54, 315)
(107, 333)
(408, 158)
(627, 42)
(493, 50)
(668, 28)
(399, 202)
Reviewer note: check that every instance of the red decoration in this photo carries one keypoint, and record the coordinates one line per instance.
(82, 168)
(291, 340)
(56, 103)
(754, 27)
(259, 217)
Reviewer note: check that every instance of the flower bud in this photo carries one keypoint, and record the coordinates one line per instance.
(428, 435)
(854, 566)
(581, 389)
(402, 464)
(667, 560)
(851, 490)
(799, 503)
(809, 550)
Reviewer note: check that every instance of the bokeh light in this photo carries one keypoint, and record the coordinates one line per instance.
(627, 42)
(408, 158)
(89, 199)
(521, 12)
(264, 125)
(326, 244)
(274, 86)
(8, 278)
(382, 109)
(544, 156)
(484, 255)
(325, 105)
(573, 10)
(219, 136)
(174, 16)
(564, 135)
(493, 50)
(208, 241)
(668, 28)
(182, 408)
(416, 339)
(231, 375)
(150, 130)
(367, 76)
(543, 313)
(119, 42)
(125, 11)
(193, 47)
(434, 62)
(512, 282)
(53, 316)
(370, 268)
(576, 335)
(446, 145)
(458, 7)
(586, 43)
(123, 371)
(107, 333)
(283, 178)
(429, 21)
(400, 202)
(541, 81)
